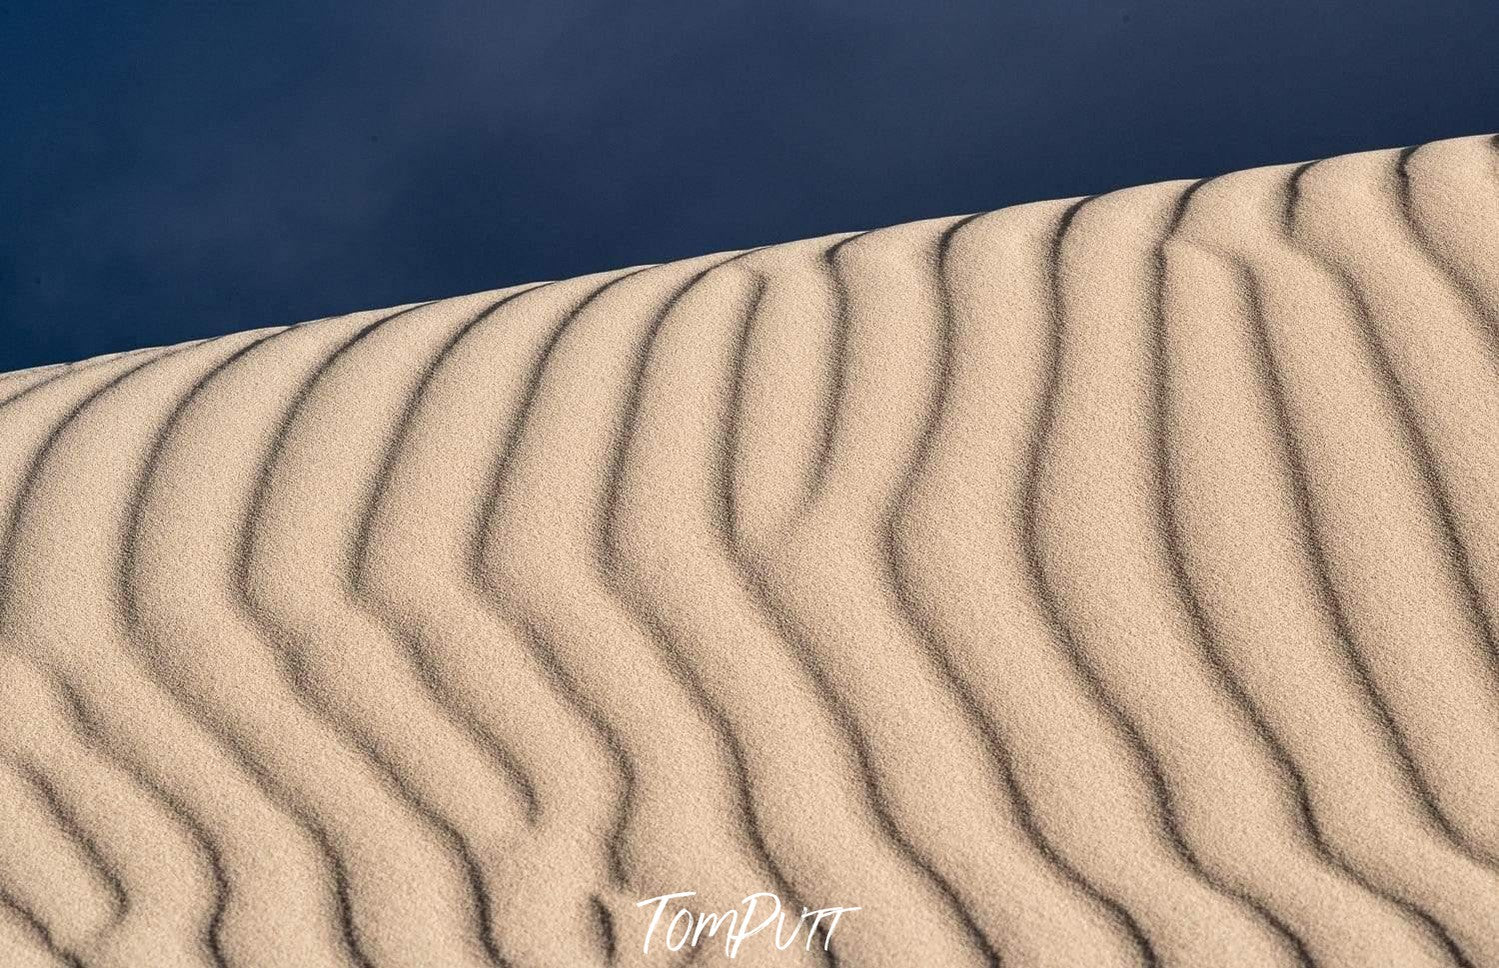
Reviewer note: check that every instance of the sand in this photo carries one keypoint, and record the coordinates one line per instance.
(1096, 582)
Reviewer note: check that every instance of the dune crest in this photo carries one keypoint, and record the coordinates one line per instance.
(1109, 581)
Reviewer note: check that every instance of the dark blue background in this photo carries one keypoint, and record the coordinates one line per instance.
(177, 170)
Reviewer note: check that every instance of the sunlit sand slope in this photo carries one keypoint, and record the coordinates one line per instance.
(1090, 583)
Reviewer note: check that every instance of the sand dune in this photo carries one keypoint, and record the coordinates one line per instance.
(1096, 582)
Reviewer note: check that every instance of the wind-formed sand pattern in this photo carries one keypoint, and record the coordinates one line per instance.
(1089, 583)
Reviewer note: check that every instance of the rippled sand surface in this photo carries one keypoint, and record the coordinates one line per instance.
(1097, 582)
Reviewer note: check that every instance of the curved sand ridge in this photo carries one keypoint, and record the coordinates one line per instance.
(1101, 582)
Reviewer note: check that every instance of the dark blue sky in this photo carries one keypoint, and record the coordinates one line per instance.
(175, 170)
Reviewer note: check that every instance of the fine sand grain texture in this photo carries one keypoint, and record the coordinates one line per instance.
(1101, 582)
